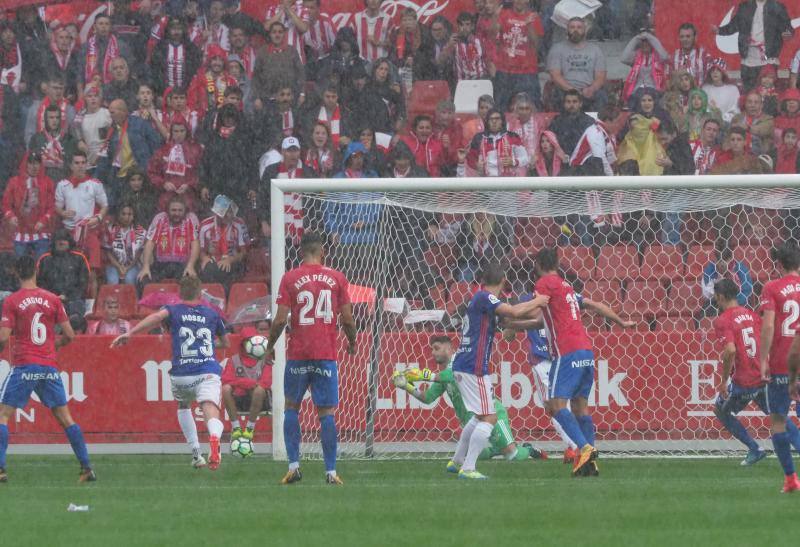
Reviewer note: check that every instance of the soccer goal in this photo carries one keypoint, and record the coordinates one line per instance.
(650, 247)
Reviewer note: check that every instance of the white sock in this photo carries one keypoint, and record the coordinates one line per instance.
(463, 441)
(332, 473)
(477, 442)
(189, 428)
(294, 465)
(251, 425)
(215, 427)
(563, 434)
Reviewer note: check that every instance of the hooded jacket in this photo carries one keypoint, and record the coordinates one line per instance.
(228, 164)
(340, 217)
(64, 273)
(14, 202)
(161, 169)
(776, 22)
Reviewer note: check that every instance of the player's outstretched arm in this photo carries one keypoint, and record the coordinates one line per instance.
(349, 327)
(145, 325)
(67, 334)
(728, 355)
(604, 310)
(428, 396)
(767, 334)
(523, 310)
(278, 324)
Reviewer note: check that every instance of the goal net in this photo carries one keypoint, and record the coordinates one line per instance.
(649, 248)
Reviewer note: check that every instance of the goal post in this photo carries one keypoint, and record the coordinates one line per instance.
(412, 249)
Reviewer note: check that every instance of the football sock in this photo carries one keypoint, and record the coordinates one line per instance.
(562, 433)
(477, 442)
(783, 450)
(3, 444)
(215, 427)
(571, 427)
(328, 436)
(794, 433)
(251, 425)
(463, 441)
(189, 428)
(735, 427)
(523, 453)
(587, 428)
(75, 436)
(291, 435)
(510, 456)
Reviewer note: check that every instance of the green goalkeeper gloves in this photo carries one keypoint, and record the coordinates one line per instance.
(417, 375)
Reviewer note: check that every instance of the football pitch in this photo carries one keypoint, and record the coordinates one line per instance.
(161, 500)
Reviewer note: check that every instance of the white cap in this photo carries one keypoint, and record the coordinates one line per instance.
(290, 142)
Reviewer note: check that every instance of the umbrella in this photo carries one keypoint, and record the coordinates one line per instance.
(160, 299)
(258, 309)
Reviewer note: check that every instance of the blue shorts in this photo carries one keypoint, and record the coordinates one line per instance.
(43, 380)
(739, 397)
(322, 376)
(572, 375)
(778, 399)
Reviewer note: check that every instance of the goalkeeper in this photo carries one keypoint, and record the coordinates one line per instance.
(501, 441)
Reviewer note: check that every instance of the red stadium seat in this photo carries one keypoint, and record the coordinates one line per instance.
(257, 266)
(607, 292)
(685, 299)
(579, 260)
(697, 258)
(425, 95)
(662, 262)
(644, 299)
(215, 290)
(126, 295)
(617, 262)
(242, 293)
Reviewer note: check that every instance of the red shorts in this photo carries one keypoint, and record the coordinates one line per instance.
(90, 247)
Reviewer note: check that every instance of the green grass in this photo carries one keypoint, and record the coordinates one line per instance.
(160, 500)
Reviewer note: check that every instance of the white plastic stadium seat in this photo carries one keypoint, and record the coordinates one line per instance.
(468, 92)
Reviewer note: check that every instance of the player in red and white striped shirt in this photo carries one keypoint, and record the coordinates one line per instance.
(295, 18)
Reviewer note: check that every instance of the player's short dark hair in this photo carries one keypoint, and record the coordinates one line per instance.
(25, 267)
(189, 287)
(547, 259)
(440, 339)
(727, 289)
(492, 274)
(311, 243)
(787, 254)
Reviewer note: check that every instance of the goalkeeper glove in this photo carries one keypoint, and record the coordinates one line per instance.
(417, 375)
(401, 382)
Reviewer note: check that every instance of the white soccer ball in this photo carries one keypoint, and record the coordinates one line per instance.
(256, 346)
(242, 447)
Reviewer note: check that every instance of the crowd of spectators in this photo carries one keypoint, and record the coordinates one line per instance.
(146, 151)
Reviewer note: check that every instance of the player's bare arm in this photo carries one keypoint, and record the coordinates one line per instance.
(728, 355)
(523, 310)
(349, 327)
(5, 335)
(767, 334)
(278, 324)
(604, 310)
(67, 334)
(145, 325)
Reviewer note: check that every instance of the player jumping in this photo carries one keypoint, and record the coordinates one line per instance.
(195, 372)
(471, 366)
(501, 441)
(315, 295)
(738, 328)
(541, 360)
(32, 314)
(572, 373)
(780, 306)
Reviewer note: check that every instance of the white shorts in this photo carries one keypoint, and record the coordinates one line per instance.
(200, 388)
(476, 391)
(541, 377)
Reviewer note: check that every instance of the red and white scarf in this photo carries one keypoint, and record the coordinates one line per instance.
(11, 75)
(695, 62)
(704, 157)
(334, 123)
(287, 123)
(62, 59)
(176, 64)
(469, 59)
(641, 60)
(380, 28)
(292, 203)
(53, 152)
(248, 57)
(46, 102)
(189, 116)
(176, 161)
(319, 160)
(112, 52)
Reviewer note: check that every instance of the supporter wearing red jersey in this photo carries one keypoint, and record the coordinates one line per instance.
(426, 147)
(495, 152)
(467, 51)
(518, 31)
(246, 387)
(172, 247)
(223, 241)
(780, 311)
(29, 206)
(31, 315)
(175, 167)
(372, 31)
(111, 324)
(572, 373)
(316, 296)
(738, 330)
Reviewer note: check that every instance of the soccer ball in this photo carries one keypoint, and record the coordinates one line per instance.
(242, 447)
(256, 346)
